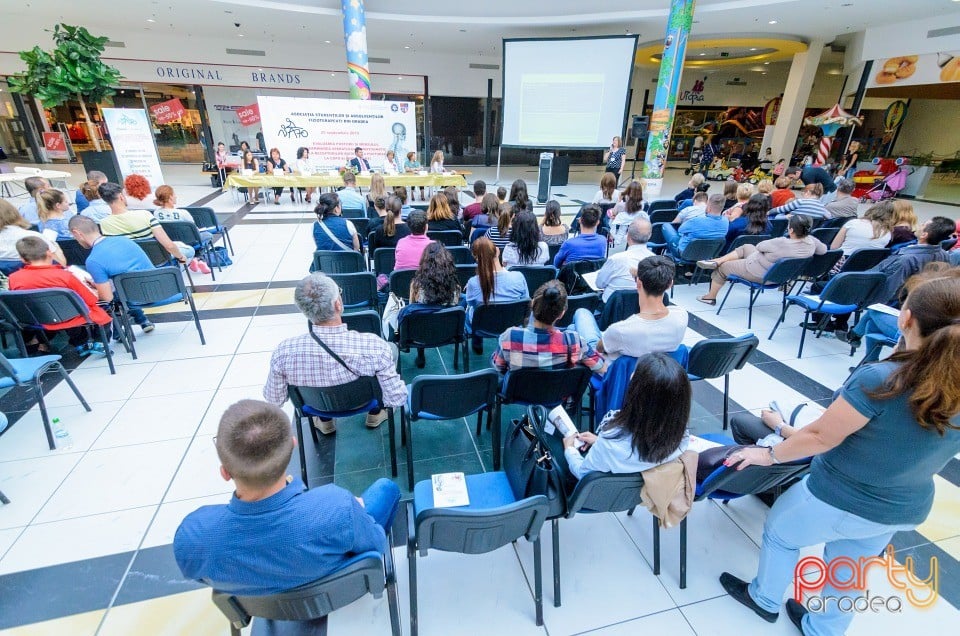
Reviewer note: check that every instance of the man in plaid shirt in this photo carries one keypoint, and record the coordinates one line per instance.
(542, 345)
(302, 361)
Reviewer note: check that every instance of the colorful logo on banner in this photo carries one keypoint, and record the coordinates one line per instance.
(55, 145)
(167, 112)
(695, 94)
(248, 115)
(893, 116)
(771, 110)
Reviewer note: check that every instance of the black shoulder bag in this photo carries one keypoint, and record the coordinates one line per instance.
(534, 461)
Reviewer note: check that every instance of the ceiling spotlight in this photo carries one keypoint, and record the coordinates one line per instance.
(239, 35)
(767, 63)
(772, 22)
(399, 77)
(333, 74)
(150, 20)
(326, 41)
(702, 54)
(753, 48)
(406, 47)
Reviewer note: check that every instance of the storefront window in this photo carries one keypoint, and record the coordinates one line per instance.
(13, 140)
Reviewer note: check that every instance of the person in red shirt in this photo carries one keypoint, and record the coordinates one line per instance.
(40, 272)
(783, 194)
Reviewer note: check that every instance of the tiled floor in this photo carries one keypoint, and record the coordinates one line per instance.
(85, 543)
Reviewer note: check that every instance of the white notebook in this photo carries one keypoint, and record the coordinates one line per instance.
(450, 490)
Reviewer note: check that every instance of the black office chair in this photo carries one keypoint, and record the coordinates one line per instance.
(337, 262)
(571, 275)
(622, 304)
(661, 204)
(746, 239)
(817, 267)
(357, 290)
(589, 301)
(361, 225)
(657, 243)
(187, 232)
(698, 250)
(535, 275)
(465, 273)
(718, 357)
(206, 219)
(400, 282)
(353, 213)
(451, 397)
(663, 215)
(75, 253)
(837, 222)
(489, 321)
(863, 259)
(157, 254)
(781, 274)
(545, 387)
(384, 259)
(366, 573)
(552, 250)
(461, 255)
(449, 238)
(434, 329)
(778, 227)
(366, 321)
(947, 244)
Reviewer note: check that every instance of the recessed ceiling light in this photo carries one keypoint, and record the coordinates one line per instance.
(333, 74)
(772, 22)
(399, 77)
(766, 62)
(764, 73)
(701, 54)
(406, 47)
(239, 35)
(326, 41)
(150, 20)
(753, 48)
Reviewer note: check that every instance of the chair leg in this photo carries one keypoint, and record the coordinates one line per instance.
(479, 423)
(726, 400)
(456, 356)
(405, 422)
(803, 333)
(538, 581)
(226, 235)
(106, 348)
(73, 387)
(656, 546)
(196, 318)
(555, 529)
(393, 603)
(783, 316)
(494, 422)
(725, 296)
(43, 414)
(127, 331)
(3, 498)
(412, 574)
(303, 454)
(466, 357)
(753, 299)
(391, 431)
(683, 554)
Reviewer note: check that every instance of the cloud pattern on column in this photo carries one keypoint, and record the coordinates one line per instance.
(355, 41)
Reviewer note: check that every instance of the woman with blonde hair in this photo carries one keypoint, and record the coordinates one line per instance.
(765, 187)
(52, 208)
(744, 192)
(873, 230)
(905, 223)
(696, 184)
(378, 190)
(14, 227)
(436, 164)
(439, 215)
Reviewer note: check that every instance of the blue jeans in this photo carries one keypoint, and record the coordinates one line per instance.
(585, 324)
(797, 520)
(672, 237)
(874, 327)
(381, 501)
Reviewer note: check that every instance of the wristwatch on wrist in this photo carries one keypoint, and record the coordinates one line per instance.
(773, 457)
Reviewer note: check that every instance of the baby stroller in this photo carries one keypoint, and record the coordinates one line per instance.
(694, 166)
(889, 186)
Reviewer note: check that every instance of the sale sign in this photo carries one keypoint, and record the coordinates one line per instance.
(167, 112)
(55, 145)
(248, 115)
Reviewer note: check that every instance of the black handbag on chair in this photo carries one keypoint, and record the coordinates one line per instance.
(534, 461)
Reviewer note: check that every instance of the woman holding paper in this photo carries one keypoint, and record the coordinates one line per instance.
(650, 429)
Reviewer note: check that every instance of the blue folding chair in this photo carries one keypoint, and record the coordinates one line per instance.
(782, 274)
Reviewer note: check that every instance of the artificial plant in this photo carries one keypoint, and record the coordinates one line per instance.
(72, 70)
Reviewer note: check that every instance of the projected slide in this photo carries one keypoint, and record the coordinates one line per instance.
(565, 93)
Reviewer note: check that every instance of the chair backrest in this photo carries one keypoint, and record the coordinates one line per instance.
(361, 225)
(546, 387)
(367, 321)
(825, 234)
(351, 396)
(553, 249)
(7, 371)
(358, 289)
(453, 396)
(661, 204)
(205, 218)
(665, 214)
(400, 282)
(572, 272)
(149, 286)
(157, 254)
(353, 213)
(467, 531)
(778, 227)
(9, 265)
(183, 231)
(725, 481)
(76, 254)
(465, 273)
(363, 575)
(863, 259)
(384, 259)
(461, 255)
(50, 306)
(747, 239)
(702, 249)
(656, 235)
(432, 329)
(819, 264)
(338, 262)
(716, 357)
(854, 288)
(622, 304)
(589, 301)
(451, 238)
(785, 270)
(838, 222)
(477, 232)
(536, 275)
(606, 492)
(492, 320)
(947, 244)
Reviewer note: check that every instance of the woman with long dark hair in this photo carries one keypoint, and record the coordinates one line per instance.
(552, 229)
(630, 208)
(648, 430)
(435, 286)
(525, 247)
(753, 219)
(492, 283)
(331, 231)
(518, 196)
(392, 228)
(249, 162)
(499, 233)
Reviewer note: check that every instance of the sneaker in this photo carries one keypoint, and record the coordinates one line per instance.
(376, 419)
(738, 590)
(327, 427)
(192, 265)
(83, 350)
(202, 266)
(796, 612)
(707, 264)
(813, 326)
(147, 326)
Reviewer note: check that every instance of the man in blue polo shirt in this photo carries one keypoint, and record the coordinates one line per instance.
(712, 225)
(274, 535)
(586, 246)
(109, 256)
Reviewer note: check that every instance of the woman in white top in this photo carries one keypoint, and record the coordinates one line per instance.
(390, 163)
(305, 168)
(167, 211)
(525, 246)
(608, 192)
(98, 208)
(436, 164)
(626, 211)
(650, 429)
(13, 227)
(873, 230)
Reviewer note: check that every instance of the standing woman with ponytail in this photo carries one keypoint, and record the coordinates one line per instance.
(492, 283)
(53, 208)
(875, 451)
(332, 231)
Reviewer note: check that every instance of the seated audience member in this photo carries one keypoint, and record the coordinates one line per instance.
(525, 246)
(586, 246)
(845, 205)
(331, 231)
(109, 256)
(499, 232)
(350, 198)
(488, 217)
(53, 208)
(618, 272)
(166, 201)
(905, 221)
(630, 208)
(475, 208)
(872, 230)
(697, 207)
(552, 229)
(40, 272)
(751, 262)
(96, 208)
(410, 248)
(519, 197)
(439, 215)
(648, 430)
(765, 186)
(80, 198)
(608, 192)
(379, 212)
(695, 185)
(391, 229)
(729, 194)
(752, 221)
(655, 328)
(377, 190)
(540, 344)
(712, 225)
(492, 283)
(28, 210)
(135, 224)
(453, 202)
(502, 194)
(744, 192)
(305, 361)
(14, 227)
(783, 194)
(274, 535)
(401, 193)
(807, 204)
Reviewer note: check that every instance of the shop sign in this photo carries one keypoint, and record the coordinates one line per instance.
(55, 145)
(248, 115)
(911, 70)
(166, 112)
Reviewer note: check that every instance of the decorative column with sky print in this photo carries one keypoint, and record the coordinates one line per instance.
(355, 38)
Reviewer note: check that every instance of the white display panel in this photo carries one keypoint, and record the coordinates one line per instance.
(132, 139)
(566, 93)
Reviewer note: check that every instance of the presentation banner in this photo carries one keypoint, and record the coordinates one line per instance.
(332, 128)
(132, 139)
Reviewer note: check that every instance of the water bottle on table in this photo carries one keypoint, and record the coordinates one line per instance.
(62, 435)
